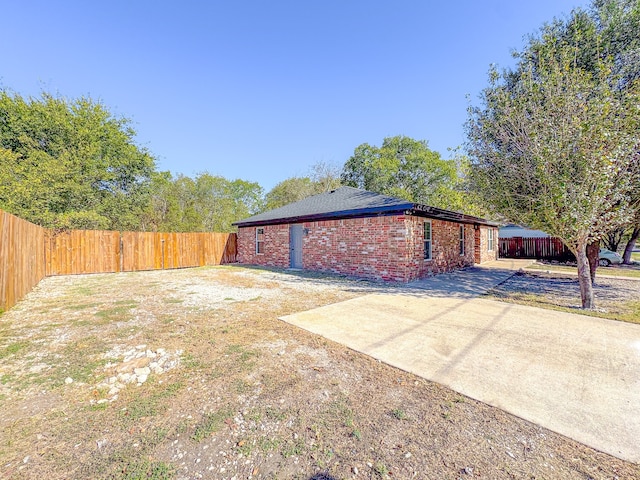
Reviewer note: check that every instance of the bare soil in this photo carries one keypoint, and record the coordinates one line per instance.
(615, 298)
(241, 394)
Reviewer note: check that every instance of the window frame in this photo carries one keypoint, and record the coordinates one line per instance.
(462, 241)
(259, 241)
(427, 243)
(491, 242)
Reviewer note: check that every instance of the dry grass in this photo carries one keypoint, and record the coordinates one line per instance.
(629, 271)
(252, 397)
(615, 298)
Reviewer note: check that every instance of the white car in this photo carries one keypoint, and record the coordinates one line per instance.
(607, 257)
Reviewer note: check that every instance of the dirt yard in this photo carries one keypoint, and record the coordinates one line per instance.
(615, 298)
(189, 374)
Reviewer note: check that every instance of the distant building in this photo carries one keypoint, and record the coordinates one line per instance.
(512, 231)
(520, 242)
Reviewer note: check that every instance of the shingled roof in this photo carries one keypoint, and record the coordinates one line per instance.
(349, 202)
(342, 202)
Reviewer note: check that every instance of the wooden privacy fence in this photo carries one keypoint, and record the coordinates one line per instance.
(81, 251)
(21, 262)
(28, 253)
(546, 248)
(100, 251)
(156, 251)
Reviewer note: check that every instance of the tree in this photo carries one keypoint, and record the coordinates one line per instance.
(288, 191)
(242, 199)
(204, 203)
(619, 22)
(323, 177)
(608, 31)
(172, 205)
(633, 237)
(405, 168)
(629, 234)
(554, 145)
(632, 229)
(613, 239)
(71, 164)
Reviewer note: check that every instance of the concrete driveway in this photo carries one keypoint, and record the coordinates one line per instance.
(574, 374)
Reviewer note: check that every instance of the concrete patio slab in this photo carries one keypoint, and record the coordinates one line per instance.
(472, 281)
(574, 374)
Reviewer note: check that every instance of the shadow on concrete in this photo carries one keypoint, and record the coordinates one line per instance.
(467, 351)
(382, 343)
(465, 283)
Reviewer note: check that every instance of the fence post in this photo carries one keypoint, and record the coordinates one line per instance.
(45, 242)
(162, 251)
(121, 253)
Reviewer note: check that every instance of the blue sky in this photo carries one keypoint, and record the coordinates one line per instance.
(262, 90)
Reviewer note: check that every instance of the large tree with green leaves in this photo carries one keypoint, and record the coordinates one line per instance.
(71, 164)
(172, 205)
(203, 203)
(607, 31)
(555, 143)
(405, 168)
(220, 202)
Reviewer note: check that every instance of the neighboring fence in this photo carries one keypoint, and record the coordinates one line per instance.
(21, 262)
(547, 248)
(28, 253)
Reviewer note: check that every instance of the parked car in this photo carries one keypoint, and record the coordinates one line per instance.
(607, 257)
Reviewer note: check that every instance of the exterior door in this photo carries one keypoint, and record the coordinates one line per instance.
(295, 246)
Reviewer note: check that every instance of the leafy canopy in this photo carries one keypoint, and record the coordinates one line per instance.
(204, 203)
(554, 144)
(322, 178)
(290, 190)
(70, 164)
(408, 169)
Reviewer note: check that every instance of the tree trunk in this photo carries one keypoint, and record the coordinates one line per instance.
(593, 252)
(584, 277)
(626, 258)
(614, 238)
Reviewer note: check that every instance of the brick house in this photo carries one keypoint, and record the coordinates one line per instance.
(365, 234)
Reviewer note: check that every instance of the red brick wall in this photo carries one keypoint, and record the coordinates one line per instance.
(387, 247)
(276, 246)
(372, 247)
(482, 252)
(445, 249)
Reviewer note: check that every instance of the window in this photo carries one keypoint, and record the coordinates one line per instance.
(461, 239)
(259, 240)
(491, 242)
(427, 240)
